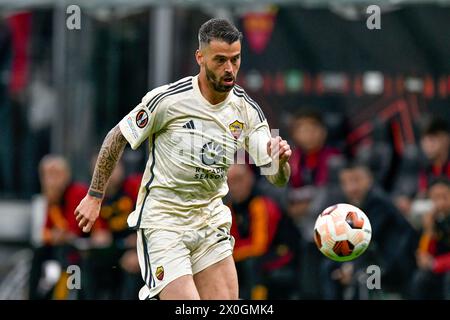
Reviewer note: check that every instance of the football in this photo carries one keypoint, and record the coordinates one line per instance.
(342, 232)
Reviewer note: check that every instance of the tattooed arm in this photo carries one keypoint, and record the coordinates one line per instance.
(109, 155)
(89, 208)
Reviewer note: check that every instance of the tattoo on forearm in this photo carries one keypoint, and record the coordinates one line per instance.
(282, 176)
(109, 154)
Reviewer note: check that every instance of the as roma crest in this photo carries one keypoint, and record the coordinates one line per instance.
(236, 128)
(159, 273)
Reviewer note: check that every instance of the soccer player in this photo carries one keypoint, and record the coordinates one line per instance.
(194, 127)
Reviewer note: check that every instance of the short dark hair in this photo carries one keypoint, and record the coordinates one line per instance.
(439, 180)
(435, 126)
(353, 164)
(218, 29)
(310, 113)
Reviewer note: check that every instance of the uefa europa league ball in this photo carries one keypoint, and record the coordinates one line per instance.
(342, 232)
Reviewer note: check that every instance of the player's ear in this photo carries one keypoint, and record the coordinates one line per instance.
(199, 57)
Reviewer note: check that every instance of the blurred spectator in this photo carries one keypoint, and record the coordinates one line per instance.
(310, 158)
(298, 209)
(112, 262)
(61, 229)
(255, 223)
(413, 180)
(297, 229)
(392, 244)
(431, 280)
(62, 196)
(435, 144)
(378, 152)
(280, 267)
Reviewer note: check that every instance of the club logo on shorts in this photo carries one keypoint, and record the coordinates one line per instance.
(141, 119)
(159, 273)
(236, 128)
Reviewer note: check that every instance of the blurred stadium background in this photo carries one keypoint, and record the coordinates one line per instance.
(379, 94)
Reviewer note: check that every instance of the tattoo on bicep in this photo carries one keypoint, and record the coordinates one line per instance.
(109, 154)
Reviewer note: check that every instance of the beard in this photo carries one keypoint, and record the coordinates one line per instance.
(217, 83)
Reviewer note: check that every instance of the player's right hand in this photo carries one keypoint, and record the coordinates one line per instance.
(87, 212)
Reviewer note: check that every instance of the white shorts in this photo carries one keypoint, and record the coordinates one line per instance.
(165, 255)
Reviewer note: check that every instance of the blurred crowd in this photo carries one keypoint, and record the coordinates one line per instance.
(406, 194)
(107, 256)
(275, 254)
(409, 212)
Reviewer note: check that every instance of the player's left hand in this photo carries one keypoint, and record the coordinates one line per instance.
(278, 148)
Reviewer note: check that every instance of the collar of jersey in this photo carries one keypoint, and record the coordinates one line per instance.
(200, 96)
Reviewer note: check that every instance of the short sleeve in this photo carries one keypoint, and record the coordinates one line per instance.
(258, 136)
(148, 117)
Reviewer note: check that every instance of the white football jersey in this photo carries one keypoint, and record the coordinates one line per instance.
(192, 143)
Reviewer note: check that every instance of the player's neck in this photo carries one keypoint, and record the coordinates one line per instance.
(209, 93)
